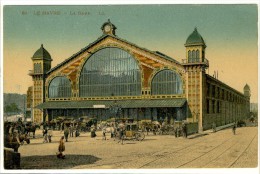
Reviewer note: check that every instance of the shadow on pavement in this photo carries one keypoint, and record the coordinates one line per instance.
(52, 162)
(197, 136)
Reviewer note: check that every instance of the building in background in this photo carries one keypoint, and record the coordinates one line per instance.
(29, 103)
(254, 107)
(113, 77)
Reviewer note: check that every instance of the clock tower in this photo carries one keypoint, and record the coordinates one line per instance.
(108, 28)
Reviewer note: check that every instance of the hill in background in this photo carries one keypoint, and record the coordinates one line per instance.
(18, 99)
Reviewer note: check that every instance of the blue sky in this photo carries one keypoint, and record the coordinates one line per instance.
(230, 33)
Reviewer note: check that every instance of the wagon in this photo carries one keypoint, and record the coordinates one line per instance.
(132, 132)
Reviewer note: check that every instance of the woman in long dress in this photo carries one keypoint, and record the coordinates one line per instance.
(61, 148)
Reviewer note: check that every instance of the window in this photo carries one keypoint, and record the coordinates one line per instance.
(213, 106)
(213, 91)
(110, 71)
(218, 106)
(197, 54)
(166, 82)
(193, 54)
(189, 54)
(208, 106)
(37, 68)
(208, 89)
(218, 92)
(60, 87)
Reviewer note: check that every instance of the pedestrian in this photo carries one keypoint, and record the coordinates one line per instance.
(61, 149)
(234, 129)
(77, 131)
(93, 131)
(214, 127)
(45, 138)
(49, 135)
(66, 133)
(121, 132)
(71, 130)
(184, 130)
(177, 132)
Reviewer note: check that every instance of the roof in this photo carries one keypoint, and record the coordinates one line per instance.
(157, 53)
(246, 87)
(222, 83)
(145, 103)
(195, 39)
(41, 53)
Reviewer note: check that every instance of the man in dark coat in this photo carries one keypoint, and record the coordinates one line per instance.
(234, 129)
(66, 134)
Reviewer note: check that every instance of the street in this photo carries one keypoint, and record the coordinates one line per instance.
(207, 150)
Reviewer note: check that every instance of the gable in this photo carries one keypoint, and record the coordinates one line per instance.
(148, 60)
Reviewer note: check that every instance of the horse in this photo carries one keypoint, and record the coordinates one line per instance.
(151, 127)
(109, 129)
(24, 137)
(167, 129)
(31, 128)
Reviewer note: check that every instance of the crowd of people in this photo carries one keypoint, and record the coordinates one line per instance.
(15, 130)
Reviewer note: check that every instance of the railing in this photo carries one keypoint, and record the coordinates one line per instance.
(32, 72)
(195, 61)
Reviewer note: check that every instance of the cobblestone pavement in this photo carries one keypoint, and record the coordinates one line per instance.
(208, 150)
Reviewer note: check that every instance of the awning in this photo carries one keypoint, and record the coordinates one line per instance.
(141, 103)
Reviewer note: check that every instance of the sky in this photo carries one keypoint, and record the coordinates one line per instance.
(230, 33)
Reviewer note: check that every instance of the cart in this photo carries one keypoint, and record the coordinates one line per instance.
(132, 132)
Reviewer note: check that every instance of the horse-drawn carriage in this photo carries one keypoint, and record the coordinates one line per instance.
(167, 129)
(150, 126)
(132, 132)
(123, 130)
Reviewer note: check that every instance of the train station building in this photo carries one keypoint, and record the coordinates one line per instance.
(113, 77)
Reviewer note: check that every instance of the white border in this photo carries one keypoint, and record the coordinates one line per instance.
(118, 2)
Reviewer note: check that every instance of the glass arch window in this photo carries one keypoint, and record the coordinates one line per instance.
(60, 87)
(166, 82)
(110, 71)
(197, 54)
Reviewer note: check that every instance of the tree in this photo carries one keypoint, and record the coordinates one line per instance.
(13, 107)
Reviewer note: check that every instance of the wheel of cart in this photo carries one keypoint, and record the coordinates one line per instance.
(139, 136)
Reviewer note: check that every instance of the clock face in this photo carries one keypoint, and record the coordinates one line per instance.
(107, 28)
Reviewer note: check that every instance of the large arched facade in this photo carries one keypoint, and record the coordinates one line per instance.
(166, 82)
(110, 72)
(59, 87)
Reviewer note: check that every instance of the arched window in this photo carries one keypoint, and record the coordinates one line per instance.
(37, 68)
(193, 54)
(189, 54)
(197, 54)
(110, 71)
(166, 82)
(60, 87)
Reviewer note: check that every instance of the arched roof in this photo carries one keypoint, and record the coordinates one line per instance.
(195, 39)
(41, 53)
